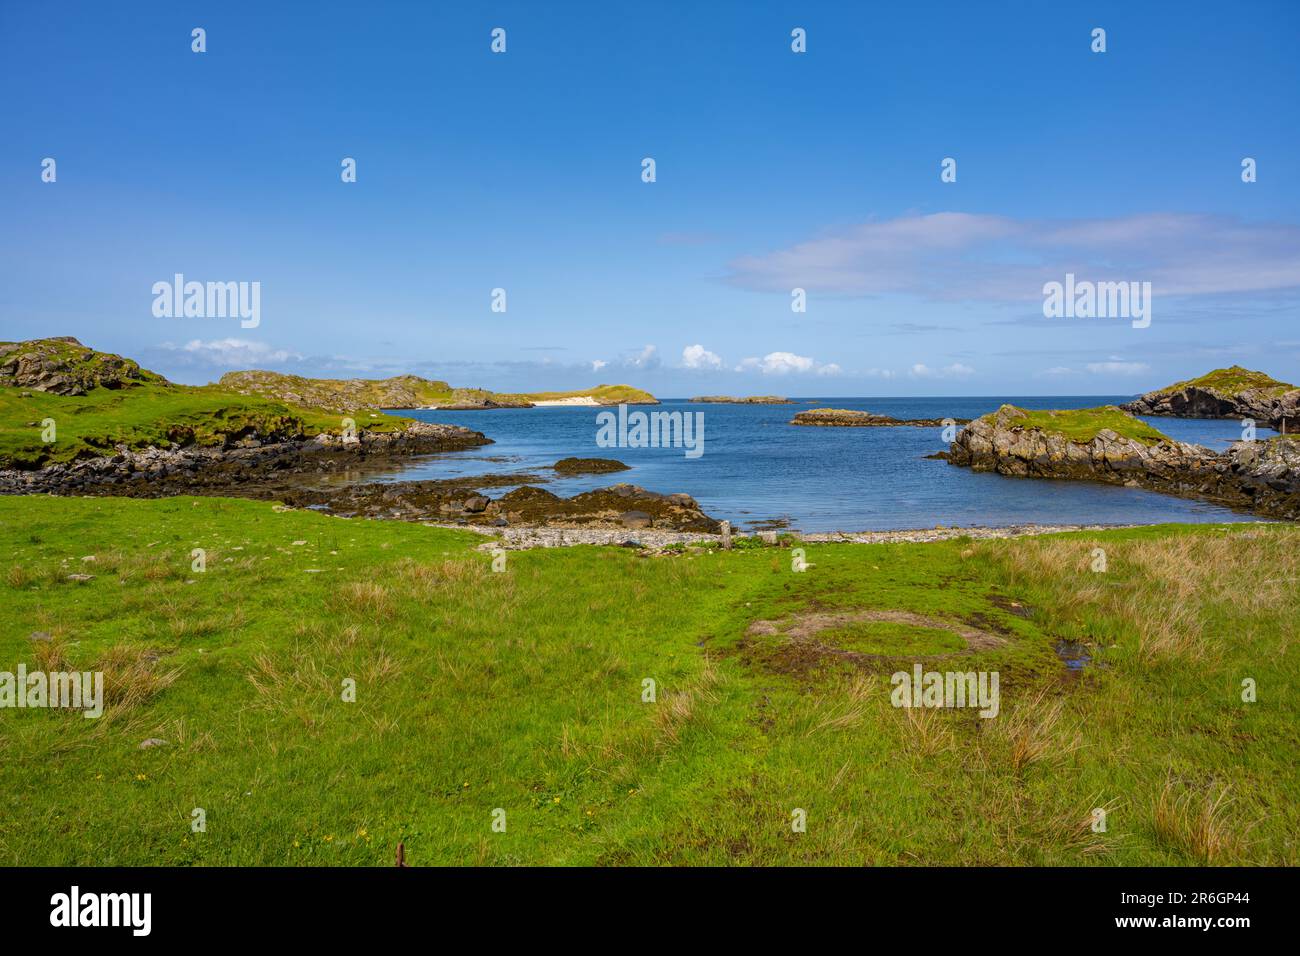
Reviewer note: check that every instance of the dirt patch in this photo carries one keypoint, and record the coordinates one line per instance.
(803, 648)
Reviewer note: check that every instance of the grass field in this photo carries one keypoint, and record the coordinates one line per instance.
(523, 691)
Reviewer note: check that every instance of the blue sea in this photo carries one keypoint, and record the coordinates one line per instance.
(756, 466)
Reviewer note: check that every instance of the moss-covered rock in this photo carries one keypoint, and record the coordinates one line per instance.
(63, 366)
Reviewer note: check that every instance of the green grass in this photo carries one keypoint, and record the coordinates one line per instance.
(522, 690)
(1084, 424)
(160, 415)
(892, 639)
(605, 394)
(1233, 381)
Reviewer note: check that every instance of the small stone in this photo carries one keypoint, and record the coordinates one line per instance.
(152, 742)
(299, 543)
(39, 636)
(80, 577)
(636, 519)
(476, 503)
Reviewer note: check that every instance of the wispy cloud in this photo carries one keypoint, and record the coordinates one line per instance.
(955, 370)
(1116, 367)
(951, 255)
(229, 352)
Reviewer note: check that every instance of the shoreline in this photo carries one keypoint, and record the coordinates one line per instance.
(531, 538)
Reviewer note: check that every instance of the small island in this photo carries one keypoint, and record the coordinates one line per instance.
(850, 418)
(589, 466)
(1233, 392)
(742, 400)
(1111, 445)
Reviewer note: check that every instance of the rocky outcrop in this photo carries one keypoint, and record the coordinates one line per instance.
(742, 400)
(849, 418)
(621, 505)
(589, 466)
(1260, 476)
(63, 366)
(240, 468)
(1234, 392)
(458, 502)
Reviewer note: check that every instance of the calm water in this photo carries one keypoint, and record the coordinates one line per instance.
(757, 466)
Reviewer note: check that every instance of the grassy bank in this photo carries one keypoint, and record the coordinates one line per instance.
(522, 690)
(151, 414)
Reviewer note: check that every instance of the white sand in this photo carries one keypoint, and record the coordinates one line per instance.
(576, 400)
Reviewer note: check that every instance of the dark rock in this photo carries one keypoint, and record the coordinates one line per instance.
(850, 418)
(636, 519)
(589, 466)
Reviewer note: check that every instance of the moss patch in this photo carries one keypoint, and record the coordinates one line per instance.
(1085, 424)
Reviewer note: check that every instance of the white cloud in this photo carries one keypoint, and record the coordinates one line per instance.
(598, 364)
(1055, 371)
(955, 370)
(697, 356)
(951, 255)
(646, 358)
(230, 352)
(784, 363)
(1114, 367)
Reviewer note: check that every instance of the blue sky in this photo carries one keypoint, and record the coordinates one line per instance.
(774, 169)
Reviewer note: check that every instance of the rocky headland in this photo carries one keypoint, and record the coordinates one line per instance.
(412, 392)
(247, 466)
(1108, 444)
(1233, 392)
(75, 421)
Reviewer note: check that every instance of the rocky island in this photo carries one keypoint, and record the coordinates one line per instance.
(1233, 392)
(588, 466)
(742, 400)
(849, 418)
(1108, 444)
(405, 392)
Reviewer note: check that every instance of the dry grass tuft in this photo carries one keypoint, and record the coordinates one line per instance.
(1197, 822)
(1032, 731)
(926, 731)
(367, 599)
(132, 676)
